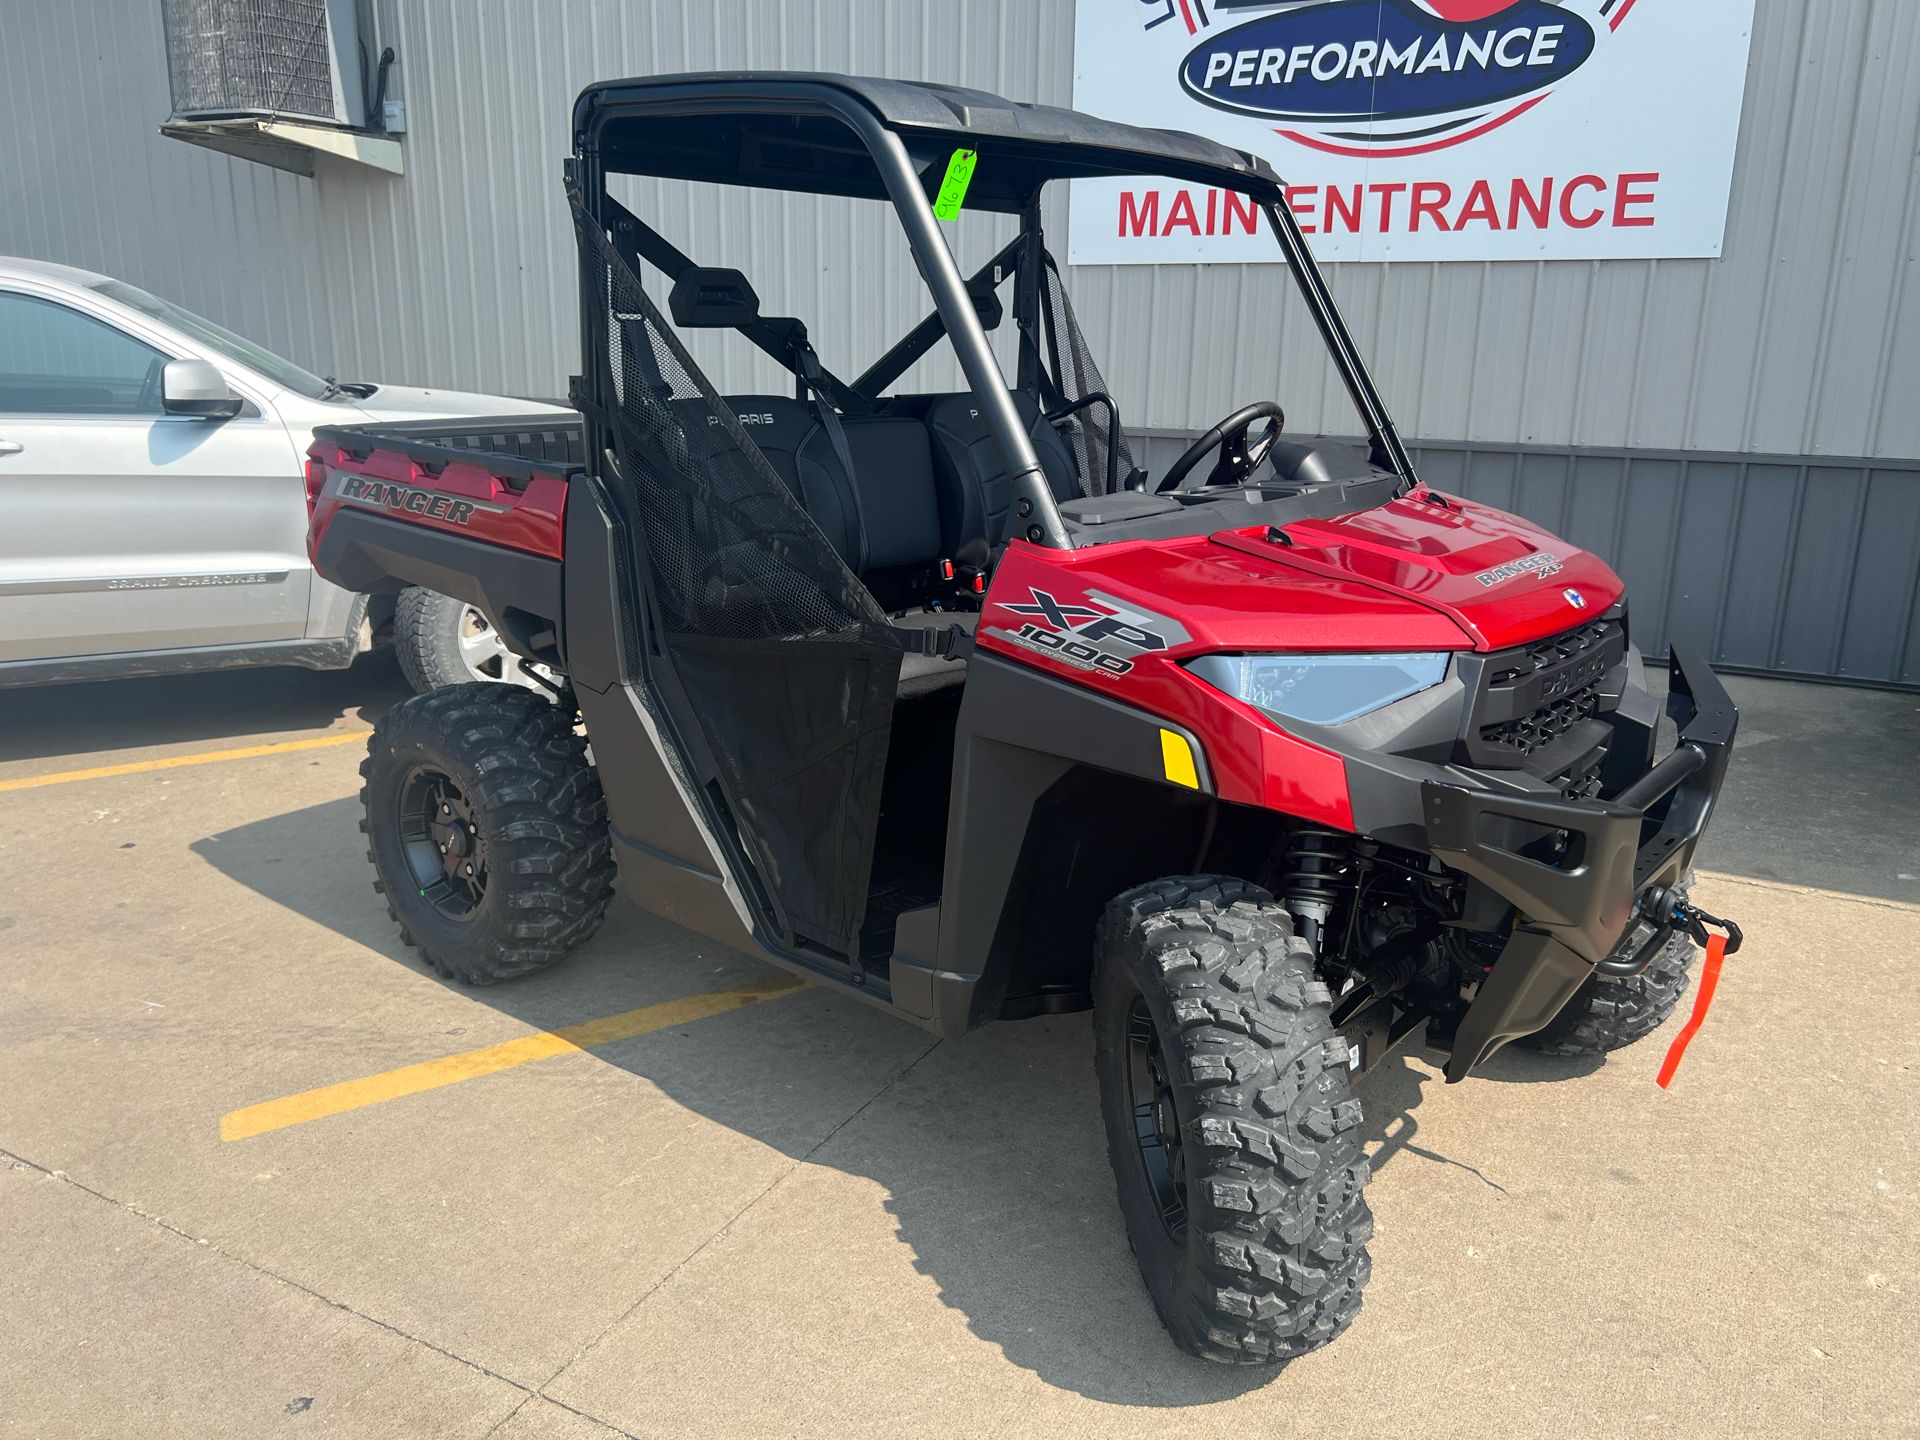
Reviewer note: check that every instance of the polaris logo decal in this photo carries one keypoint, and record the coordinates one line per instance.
(385, 495)
(1539, 563)
(1575, 599)
(1360, 76)
(1099, 633)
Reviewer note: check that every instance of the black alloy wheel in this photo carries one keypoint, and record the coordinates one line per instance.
(440, 836)
(1156, 1119)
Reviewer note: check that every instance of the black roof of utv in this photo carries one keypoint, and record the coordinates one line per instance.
(791, 130)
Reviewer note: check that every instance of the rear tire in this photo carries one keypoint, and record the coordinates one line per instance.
(1249, 1223)
(487, 830)
(441, 641)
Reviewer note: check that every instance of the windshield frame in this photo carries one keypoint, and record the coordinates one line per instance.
(1389, 450)
(905, 175)
(241, 351)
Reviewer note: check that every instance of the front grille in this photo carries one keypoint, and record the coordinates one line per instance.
(1544, 654)
(1536, 695)
(1548, 723)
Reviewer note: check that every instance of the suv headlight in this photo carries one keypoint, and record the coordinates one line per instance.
(1320, 689)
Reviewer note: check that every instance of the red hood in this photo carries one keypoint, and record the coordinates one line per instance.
(1407, 575)
(1501, 579)
(1123, 619)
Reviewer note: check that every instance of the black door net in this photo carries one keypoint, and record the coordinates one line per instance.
(785, 666)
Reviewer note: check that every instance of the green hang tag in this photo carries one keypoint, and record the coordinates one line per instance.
(953, 189)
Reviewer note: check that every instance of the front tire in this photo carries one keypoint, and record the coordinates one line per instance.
(487, 830)
(1234, 1137)
(1610, 1012)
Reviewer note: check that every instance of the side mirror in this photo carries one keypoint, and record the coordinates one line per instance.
(197, 388)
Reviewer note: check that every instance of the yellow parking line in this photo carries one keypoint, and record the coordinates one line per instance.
(175, 762)
(470, 1064)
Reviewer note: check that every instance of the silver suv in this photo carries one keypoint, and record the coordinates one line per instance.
(153, 512)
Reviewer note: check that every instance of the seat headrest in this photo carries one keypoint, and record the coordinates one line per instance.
(709, 297)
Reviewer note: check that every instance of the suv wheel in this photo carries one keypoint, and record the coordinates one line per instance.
(441, 641)
(487, 830)
(1234, 1137)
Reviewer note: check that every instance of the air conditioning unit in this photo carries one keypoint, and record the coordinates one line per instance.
(298, 58)
(278, 81)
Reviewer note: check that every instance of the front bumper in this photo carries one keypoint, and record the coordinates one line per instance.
(1579, 909)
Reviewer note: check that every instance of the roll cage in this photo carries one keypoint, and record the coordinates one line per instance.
(891, 140)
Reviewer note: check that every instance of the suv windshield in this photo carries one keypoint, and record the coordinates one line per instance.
(235, 347)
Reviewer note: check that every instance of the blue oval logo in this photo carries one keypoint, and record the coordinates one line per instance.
(1366, 62)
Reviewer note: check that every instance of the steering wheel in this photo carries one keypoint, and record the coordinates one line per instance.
(1237, 460)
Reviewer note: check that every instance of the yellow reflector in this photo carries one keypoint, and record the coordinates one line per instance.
(1177, 755)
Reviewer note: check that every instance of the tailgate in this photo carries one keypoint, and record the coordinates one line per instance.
(497, 482)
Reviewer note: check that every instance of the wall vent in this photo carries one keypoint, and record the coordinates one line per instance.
(234, 58)
(279, 82)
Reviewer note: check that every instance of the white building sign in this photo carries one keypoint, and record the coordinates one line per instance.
(1422, 129)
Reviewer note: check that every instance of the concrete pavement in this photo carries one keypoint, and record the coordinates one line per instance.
(799, 1217)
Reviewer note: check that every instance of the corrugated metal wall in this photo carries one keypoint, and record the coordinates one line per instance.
(1763, 563)
(1804, 341)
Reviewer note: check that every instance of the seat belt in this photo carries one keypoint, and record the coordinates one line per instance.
(807, 365)
(807, 359)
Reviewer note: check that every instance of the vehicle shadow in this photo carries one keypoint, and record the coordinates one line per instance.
(988, 1149)
(49, 721)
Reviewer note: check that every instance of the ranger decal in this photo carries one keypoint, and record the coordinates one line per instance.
(407, 499)
(1539, 563)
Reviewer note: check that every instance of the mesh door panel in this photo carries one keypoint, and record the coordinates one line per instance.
(787, 664)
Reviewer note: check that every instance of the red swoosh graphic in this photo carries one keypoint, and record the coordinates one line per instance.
(1362, 153)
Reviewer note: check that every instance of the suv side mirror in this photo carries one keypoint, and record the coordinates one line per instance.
(196, 387)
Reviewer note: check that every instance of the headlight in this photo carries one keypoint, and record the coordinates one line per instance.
(1320, 689)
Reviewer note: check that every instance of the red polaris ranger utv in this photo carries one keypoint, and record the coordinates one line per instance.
(1270, 759)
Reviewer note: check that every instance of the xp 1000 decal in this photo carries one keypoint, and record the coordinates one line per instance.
(1423, 129)
(1093, 632)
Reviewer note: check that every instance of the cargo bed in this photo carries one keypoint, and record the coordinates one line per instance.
(472, 508)
(514, 448)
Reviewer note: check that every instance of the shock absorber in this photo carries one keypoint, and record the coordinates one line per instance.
(1312, 877)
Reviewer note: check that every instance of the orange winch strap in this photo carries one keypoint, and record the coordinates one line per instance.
(1709, 980)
